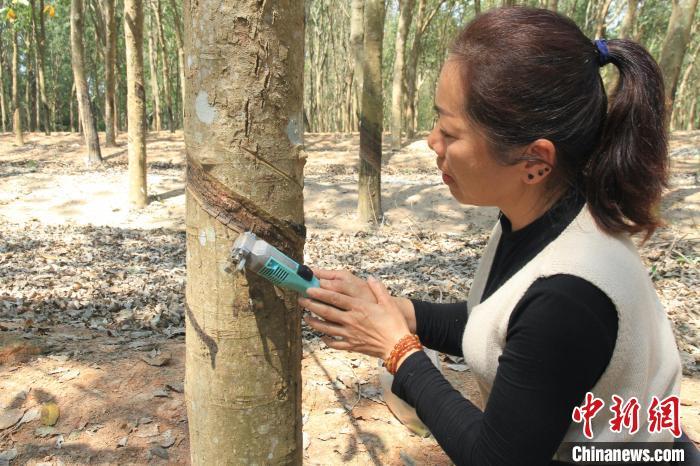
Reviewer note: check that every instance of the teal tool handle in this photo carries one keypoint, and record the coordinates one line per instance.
(284, 277)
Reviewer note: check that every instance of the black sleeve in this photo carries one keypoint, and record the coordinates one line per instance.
(560, 339)
(441, 326)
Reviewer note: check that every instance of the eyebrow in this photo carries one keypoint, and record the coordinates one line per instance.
(442, 111)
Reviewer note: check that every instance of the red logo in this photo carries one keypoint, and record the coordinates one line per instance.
(665, 414)
(626, 415)
(587, 412)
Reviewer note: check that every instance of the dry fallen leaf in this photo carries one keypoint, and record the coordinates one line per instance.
(49, 414)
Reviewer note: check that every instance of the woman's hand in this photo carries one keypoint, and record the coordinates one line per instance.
(344, 282)
(367, 327)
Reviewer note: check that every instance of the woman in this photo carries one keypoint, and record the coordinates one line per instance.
(561, 304)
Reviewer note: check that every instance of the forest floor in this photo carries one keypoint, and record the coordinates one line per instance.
(91, 297)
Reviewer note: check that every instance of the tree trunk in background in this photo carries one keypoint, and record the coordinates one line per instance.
(180, 53)
(477, 7)
(135, 102)
(167, 90)
(16, 114)
(371, 115)
(553, 5)
(29, 78)
(38, 31)
(674, 46)
(678, 110)
(78, 64)
(356, 45)
(72, 113)
(110, 54)
(244, 171)
(601, 19)
(627, 28)
(423, 20)
(153, 68)
(3, 111)
(405, 15)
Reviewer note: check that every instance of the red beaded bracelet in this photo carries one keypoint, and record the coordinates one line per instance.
(403, 346)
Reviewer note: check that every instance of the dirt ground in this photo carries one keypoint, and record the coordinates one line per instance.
(91, 297)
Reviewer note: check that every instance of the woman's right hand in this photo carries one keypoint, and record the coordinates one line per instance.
(344, 282)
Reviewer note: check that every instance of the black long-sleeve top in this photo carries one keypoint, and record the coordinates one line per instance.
(560, 338)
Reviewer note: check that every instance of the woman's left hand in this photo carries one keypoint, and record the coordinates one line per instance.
(365, 327)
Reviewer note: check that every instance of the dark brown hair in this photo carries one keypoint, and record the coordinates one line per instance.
(531, 73)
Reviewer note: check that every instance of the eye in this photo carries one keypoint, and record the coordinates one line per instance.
(446, 134)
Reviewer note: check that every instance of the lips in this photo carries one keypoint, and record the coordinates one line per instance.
(447, 178)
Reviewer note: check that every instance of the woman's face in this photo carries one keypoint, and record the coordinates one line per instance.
(463, 156)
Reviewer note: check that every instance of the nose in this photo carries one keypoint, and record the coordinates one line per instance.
(435, 141)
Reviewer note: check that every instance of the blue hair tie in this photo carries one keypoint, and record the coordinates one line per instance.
(603, 52)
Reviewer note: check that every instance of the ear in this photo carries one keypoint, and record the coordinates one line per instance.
(542, 155)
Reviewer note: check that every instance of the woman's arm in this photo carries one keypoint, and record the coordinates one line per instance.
(560, 340)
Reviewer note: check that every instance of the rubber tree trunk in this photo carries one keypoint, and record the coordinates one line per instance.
(369, 193)
(165, 69)
(153, 68)
(180, 51)
(78, 64)
(627, 28)
(110, 54)
(135, 102)
(244, 145)
(16, 114)
(553, 5)
(3, 110)
(38, 28)
(356, 45)
(674, 46)
(405, 15)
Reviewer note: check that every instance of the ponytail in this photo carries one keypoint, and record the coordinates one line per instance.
(531, 73)
(625, 176)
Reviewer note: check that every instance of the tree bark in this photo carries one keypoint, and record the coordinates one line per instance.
(423, 20)
(477, 7)
(153, 67)
(405, 15)
(40, 45)
(165, 69)
(356, 45)
(136, 102)
(3, 110)
(627, 28)
(371, 116)
(244, 171)
(16, 114)
(674, 46)
(78, 63)
(601, 18)
(553, 5)
(678, 109)
(110, 54)
(180, 53)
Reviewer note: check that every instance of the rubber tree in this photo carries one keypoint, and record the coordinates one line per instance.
(397, 86)
(369, 193)
(244, 147)
(110, 54)
(675, 44)
(38, 31)
(135, 102)
(78, 64)
(356, 45)
(16, 115)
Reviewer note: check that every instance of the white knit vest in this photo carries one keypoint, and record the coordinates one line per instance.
(645, 361)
